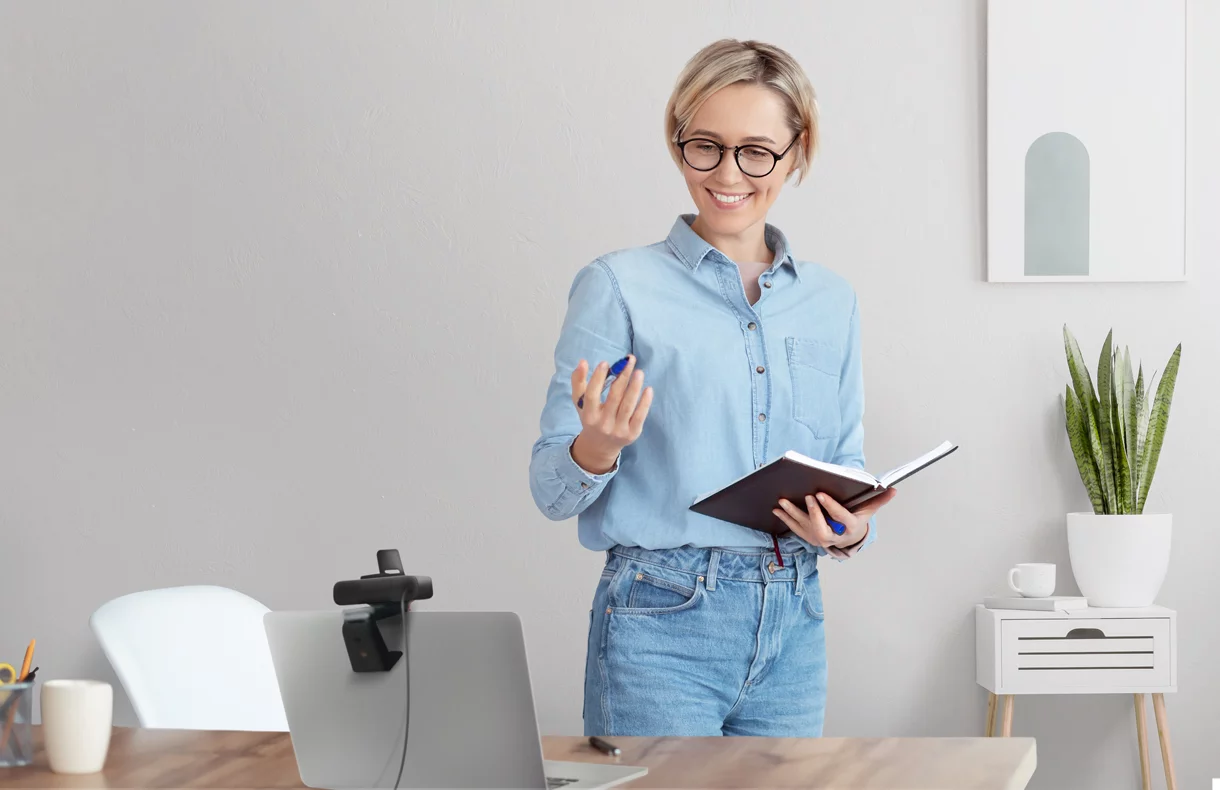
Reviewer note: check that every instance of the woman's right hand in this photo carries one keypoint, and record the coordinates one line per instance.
(610, 425)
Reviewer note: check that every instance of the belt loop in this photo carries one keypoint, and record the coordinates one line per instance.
(712, 564)
(798, 560)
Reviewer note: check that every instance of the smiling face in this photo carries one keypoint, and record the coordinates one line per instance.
(728, 200)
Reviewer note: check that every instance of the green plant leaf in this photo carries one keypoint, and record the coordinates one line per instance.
(1076, 419)
(1139, 416)
(1120, 398)
(1129, 427)
(1105, 420)
(1079, 371)
(1158, 423)
(1107, 486)
(1122, 467)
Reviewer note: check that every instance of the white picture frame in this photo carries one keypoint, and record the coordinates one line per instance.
(1086, 140)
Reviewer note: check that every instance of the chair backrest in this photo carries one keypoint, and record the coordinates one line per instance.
(192, 657)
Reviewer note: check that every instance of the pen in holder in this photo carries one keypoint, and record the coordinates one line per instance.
(16, 714)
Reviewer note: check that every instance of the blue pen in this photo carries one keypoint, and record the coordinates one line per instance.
(835, 526)
(615, 369)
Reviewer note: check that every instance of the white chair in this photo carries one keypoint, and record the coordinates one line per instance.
(192, 657)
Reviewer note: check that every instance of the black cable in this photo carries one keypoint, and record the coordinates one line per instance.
(406, 669)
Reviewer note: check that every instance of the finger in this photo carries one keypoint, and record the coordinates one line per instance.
(615, 395)
(580, 378)
(876, 503)
(820, 527)
(796, 514)
(631, 398)
(834, 509)
(641, 413)
(792, 524)
(593, 392)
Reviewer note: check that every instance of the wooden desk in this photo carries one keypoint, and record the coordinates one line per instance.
(183, 758)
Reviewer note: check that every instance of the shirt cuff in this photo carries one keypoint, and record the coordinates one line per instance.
(847, 552)
(580, 482)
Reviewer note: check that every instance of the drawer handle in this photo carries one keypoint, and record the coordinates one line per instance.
(1086, 633)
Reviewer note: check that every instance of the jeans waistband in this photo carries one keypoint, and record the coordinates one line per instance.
(744, 564)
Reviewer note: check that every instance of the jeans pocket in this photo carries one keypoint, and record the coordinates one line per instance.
(653, 590)
(814, 367)
(813, 596)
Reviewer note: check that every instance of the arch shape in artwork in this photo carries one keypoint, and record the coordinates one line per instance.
(1057, 206)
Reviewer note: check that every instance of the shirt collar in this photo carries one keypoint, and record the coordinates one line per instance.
(691, 248)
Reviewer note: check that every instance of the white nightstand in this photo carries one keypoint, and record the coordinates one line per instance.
(1088, 651)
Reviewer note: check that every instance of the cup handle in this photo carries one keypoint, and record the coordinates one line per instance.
(1012, 572)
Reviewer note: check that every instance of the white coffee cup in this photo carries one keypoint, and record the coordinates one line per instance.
(1033, 579)
(76, 721)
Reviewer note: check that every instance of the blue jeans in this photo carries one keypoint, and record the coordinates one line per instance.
(706, 642)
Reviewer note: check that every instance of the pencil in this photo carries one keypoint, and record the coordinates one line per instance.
(25, 665)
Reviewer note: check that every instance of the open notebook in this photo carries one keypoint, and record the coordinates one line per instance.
(749, 500)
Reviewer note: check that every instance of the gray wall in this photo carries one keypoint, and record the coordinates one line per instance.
(279, 284)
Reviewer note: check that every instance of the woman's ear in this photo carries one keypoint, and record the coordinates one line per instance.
(805, 160)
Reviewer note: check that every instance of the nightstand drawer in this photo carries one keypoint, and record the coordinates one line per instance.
(1060, 654)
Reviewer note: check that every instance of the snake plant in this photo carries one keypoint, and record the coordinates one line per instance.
(1116, 430)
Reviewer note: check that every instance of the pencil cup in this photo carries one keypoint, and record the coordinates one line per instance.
(76, 720)
(16, 739)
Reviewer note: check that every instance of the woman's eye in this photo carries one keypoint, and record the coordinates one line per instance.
(756, 154)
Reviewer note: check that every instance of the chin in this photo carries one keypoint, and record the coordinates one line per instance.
(724, 223)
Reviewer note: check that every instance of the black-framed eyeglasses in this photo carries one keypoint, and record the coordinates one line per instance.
(753, 160)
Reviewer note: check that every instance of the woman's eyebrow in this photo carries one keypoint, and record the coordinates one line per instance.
(714, 136)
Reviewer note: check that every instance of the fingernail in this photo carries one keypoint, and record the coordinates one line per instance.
(821, 497)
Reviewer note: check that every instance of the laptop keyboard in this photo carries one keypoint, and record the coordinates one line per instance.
(553, 782)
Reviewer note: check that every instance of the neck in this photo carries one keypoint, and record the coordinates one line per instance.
(749, 245)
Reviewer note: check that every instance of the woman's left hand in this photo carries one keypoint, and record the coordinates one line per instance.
(810, 524)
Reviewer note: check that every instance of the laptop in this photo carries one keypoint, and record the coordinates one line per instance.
(472, 719)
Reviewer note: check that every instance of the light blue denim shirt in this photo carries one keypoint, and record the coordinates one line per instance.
(734, 386)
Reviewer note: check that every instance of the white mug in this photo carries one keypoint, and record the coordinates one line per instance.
(1033, 579)
(76, 720)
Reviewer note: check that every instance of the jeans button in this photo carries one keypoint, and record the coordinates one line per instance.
(771, 566)
(751, 325)
(760, 369)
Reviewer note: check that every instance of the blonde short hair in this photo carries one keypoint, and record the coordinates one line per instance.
(729, 61)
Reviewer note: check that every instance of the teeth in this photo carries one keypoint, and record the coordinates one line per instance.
(729, 198)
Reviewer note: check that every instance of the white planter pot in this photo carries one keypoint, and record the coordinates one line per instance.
(1119, 561)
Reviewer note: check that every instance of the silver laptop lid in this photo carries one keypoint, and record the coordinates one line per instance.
(472, 723)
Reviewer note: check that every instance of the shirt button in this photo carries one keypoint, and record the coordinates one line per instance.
(751, 325)
(760, 369)
(584, 485)
(767, 284)
(762, 418)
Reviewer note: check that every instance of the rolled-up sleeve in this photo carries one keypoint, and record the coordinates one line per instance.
(595, 328)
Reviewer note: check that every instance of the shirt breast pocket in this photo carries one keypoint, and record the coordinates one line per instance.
(814, 366)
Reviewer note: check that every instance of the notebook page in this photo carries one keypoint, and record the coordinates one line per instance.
(845, 471)
(899, 472)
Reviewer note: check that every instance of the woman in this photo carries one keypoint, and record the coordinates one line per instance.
(699, 626)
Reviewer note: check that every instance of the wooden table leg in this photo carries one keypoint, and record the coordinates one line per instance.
(991, 706)
(1141, 730)
(1006, 728)
(1162, 728)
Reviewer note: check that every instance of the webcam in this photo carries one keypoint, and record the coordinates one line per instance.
(387, 593)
